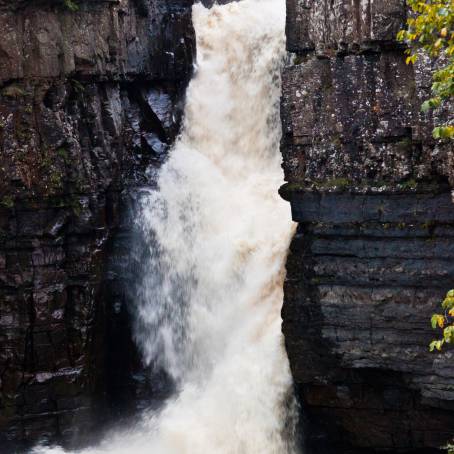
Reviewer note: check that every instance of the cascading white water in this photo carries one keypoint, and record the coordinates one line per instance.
(209, 308)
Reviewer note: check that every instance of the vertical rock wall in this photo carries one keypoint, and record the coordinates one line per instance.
(88, 99)
(374, 251)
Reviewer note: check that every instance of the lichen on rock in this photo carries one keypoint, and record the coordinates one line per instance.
(372, 193)
(88, 99)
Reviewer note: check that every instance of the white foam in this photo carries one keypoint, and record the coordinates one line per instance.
(209, 311)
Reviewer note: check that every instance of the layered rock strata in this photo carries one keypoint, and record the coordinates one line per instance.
(89, 97)
(373, 255)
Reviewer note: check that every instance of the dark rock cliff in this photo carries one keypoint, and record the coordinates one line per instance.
(88, 99)
(374, 250)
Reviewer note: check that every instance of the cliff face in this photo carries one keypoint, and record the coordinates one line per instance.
(373, 254)
(88, 99)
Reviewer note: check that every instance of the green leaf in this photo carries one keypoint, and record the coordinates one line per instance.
(401, 35)
(436, 344)
(434, 321)
(448, 334)
(437, 133)
(425, 106)
(448, 303)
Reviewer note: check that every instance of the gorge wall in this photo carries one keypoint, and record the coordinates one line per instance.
(88, 100)
(374, 252)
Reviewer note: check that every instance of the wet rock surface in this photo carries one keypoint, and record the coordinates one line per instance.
(372, 257)
(88, 100)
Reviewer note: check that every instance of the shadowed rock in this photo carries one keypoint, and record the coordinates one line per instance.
(372, 258)
(88, 100)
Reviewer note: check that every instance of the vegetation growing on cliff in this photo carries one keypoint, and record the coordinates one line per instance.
(71, 5)
(444, 322)
(431, 28)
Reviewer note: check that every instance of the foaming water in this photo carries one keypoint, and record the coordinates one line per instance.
(208, 312)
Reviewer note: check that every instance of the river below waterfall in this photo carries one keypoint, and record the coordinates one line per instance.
(208, 313)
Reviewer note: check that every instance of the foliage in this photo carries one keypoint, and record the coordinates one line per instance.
(431, 28)
(444, 322)
(71, 5)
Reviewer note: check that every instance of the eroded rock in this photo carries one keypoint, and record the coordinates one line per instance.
(88, 100)
(372, 258)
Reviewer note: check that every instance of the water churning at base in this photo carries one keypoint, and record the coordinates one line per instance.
(209, 306)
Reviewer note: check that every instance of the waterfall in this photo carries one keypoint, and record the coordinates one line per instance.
(208, 312)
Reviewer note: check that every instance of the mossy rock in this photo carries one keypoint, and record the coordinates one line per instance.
(13, 91)
(287, 189)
